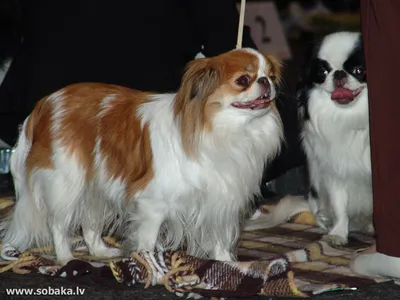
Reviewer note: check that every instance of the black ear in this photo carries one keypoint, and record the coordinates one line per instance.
(304, 82)
(302, 98)
(302, 91)
(201, 79)
(305, 71)
(304, 85)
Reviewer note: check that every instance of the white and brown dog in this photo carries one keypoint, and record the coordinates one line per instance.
(174, 168)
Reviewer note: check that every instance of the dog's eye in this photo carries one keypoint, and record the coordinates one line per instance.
(243, 81)
(359, 71)
(272, 77)
(322, 72)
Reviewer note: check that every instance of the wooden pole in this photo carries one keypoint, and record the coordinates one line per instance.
(241, 24)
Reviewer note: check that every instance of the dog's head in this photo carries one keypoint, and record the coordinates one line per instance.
(339, 68)
(335, 76)
(226, 91)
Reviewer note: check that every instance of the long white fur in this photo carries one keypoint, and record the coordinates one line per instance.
(198, 200)
(336, 142)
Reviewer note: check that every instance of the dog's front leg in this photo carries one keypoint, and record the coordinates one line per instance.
(144, 226)
(339, 198)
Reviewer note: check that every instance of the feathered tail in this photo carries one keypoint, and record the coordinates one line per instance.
(24, 225)
(286, 208)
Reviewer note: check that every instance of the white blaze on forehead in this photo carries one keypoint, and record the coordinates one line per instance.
(262, 66)
(336, 48)
(262, 63)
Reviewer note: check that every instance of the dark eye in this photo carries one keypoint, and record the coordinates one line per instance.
(359, 71)
(322, 72)
(319, 70)
(243, 81)
(272, 77)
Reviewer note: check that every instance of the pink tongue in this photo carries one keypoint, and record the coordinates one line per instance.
(342, 94)
(260, 101)
(256, 103)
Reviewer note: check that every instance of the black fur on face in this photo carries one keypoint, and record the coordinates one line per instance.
(313, 192)
(319, 69)
(307, 78)
(355, 64)
(316, 70)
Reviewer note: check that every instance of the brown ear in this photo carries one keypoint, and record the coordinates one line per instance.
(276, 68)
(199, 81)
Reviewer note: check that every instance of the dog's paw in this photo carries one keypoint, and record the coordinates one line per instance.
(9, 253)
(334, 240)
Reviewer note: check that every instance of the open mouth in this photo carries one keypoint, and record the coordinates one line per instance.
(345, 96)
(259, 103)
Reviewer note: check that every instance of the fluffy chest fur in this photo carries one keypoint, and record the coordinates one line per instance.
(229, 161)
(335, 140)
(338, 153)
(202, 193)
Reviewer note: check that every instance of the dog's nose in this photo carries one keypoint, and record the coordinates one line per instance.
(339, 75)
(263, 81)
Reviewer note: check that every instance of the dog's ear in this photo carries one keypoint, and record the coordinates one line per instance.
(302, 92)
(310, 55)
(276, 69)
(200, 79)
(303, 83)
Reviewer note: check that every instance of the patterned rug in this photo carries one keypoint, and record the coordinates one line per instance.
(288, 260)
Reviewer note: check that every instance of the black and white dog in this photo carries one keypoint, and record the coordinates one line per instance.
(333, 95)
(333, 111)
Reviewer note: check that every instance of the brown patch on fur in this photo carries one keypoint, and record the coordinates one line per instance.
(123, 142)
(274, 72)
(275, 69)
(126, 145)
(79, 129)
(37, 132)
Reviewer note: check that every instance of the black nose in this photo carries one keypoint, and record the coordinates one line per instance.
(339, 75)
(263, 80)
